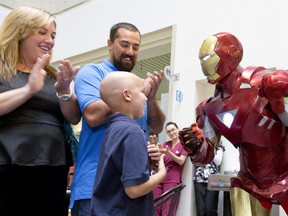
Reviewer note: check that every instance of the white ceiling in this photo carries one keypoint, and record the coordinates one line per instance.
(52, 6)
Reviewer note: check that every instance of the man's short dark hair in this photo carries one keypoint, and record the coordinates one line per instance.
(114, 29)
(152, 133)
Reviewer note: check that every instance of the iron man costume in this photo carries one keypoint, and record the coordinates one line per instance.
(247, 108)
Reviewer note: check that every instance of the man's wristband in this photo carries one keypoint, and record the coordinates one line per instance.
(65, 97)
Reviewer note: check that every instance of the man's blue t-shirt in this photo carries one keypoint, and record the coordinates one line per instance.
(87, 89)
(123, 162)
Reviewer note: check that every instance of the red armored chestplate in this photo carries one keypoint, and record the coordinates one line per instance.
(244, 118)
(247, 121)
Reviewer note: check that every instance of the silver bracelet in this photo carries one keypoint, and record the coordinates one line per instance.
(65, 97)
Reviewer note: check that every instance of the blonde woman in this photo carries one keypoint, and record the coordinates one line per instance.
(34, 102)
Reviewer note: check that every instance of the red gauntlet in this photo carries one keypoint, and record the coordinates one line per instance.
(191, 138)
(275, 88)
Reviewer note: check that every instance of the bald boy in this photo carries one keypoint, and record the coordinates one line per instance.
(123, 185)
(123, 92)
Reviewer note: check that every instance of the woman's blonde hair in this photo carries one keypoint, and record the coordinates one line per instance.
(19, 24)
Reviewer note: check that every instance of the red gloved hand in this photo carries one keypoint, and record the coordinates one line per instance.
(191, 138)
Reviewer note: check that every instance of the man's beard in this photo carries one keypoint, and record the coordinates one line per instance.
(122, 66)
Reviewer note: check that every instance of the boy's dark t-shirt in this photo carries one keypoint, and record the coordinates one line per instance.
(123, 162)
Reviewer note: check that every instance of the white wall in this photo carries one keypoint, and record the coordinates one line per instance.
(261, 26)
(3, 13)
(87, 27)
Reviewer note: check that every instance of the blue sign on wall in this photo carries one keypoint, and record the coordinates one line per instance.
(179, 95)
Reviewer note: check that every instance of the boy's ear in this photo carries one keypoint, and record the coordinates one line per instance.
(126, 95)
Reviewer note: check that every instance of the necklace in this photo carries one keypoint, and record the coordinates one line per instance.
(23, 68)
(25, 71)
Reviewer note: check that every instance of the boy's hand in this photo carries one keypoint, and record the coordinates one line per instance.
(153, 152)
